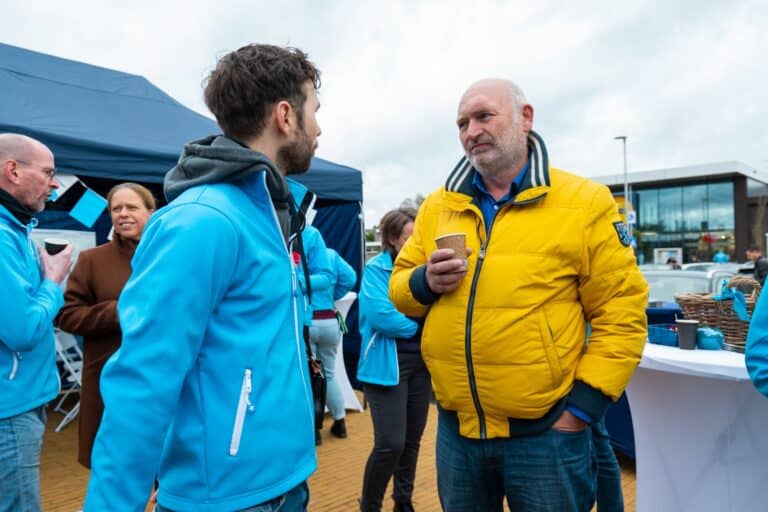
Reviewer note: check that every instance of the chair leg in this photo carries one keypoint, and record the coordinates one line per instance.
(61, 401)
(71, 415)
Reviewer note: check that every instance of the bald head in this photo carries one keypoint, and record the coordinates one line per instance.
(500, 88)
(15, 146)
(494, 119)
(27, 170)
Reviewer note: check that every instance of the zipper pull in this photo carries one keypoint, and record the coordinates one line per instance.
(248, 389)
(481, 254)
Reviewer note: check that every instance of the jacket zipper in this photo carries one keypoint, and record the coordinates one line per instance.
(294, 293)
(370, 345)
(468, 335)
(470, 308)
(243, 405)
(16, 357)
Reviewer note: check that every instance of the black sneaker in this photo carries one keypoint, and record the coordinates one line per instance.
(339, 428)
(403, 507)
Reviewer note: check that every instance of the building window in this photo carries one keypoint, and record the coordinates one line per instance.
(671, 209)
(721, 213)
(695, 208)
(647, 203)
(697, 218)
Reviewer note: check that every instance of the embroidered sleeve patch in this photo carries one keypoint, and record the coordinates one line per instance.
(623, 232)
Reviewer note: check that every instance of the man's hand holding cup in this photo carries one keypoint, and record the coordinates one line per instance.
(447, 266)
(56, 260)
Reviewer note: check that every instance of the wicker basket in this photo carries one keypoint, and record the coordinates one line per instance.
(719, 313)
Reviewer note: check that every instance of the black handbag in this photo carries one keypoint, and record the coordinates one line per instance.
(315, 366)
(319, 385)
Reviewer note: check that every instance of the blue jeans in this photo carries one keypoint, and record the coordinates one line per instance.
(610, 496)
(21, 437)
(295, 500)
(325, 338)
(547, 472)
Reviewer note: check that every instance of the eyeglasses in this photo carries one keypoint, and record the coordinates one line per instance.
(50, 172)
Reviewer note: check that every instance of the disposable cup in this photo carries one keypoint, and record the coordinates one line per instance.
(55, 245)
(686, 333)
(455, 241)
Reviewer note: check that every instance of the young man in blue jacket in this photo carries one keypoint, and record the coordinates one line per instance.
(209, 390)
(30, 299)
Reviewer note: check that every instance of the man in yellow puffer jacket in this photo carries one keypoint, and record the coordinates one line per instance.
(506, 329)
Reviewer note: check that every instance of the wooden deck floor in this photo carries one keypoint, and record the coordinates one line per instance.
(334, 487)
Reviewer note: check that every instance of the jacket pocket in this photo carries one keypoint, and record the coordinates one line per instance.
(550, 351)
(369, 346)
(378, 363)
(243, 405)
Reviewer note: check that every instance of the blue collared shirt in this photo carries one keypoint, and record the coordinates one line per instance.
(488, 205)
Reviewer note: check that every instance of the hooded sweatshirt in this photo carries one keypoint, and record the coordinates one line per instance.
(216, 159)
(210, 383)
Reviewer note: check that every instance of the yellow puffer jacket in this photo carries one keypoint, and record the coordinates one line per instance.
(506, 350)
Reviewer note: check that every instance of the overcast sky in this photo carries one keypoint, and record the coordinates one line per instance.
(685, 81)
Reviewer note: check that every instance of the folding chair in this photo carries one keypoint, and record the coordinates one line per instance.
(71, 357)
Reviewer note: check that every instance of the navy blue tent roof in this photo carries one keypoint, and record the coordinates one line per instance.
(107, 124)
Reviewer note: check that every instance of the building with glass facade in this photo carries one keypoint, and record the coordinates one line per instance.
(701, 210)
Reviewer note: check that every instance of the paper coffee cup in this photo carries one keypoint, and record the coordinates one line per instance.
(686, 333)
(55, 245)
(455, 241)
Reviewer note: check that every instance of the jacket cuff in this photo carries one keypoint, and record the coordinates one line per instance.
(55, 292)
(419, 287)
(589, 400)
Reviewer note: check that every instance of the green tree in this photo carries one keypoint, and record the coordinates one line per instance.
(413, 202)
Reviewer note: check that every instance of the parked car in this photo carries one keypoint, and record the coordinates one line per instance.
(654, 266)
(665, 284)
(708, 265)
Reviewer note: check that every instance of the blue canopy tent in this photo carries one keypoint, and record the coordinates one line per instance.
(105, 127)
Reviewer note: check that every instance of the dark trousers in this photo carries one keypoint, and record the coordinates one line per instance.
(399, 414)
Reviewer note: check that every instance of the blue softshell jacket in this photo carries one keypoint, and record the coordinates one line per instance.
(209, 389)
(28, 305)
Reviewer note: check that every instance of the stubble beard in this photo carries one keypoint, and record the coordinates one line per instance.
(503, 156)
(296, 157)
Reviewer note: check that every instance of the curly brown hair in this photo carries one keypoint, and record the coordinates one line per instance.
(247, 81)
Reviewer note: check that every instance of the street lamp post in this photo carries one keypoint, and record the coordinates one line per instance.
(627, 201)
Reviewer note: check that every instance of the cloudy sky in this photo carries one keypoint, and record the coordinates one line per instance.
(686, 81)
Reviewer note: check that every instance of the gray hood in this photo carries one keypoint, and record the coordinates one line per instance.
(217, 159)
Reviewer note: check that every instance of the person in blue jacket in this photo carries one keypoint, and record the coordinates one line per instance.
(209, 389)
(326, 332)
(398, 389)
(756, 353)
(30, 299)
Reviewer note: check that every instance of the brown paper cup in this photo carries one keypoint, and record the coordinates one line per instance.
(455, 241)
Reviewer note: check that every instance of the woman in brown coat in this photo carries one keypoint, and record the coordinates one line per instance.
(90, 307)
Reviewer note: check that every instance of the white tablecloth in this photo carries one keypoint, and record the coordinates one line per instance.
(701, 432)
